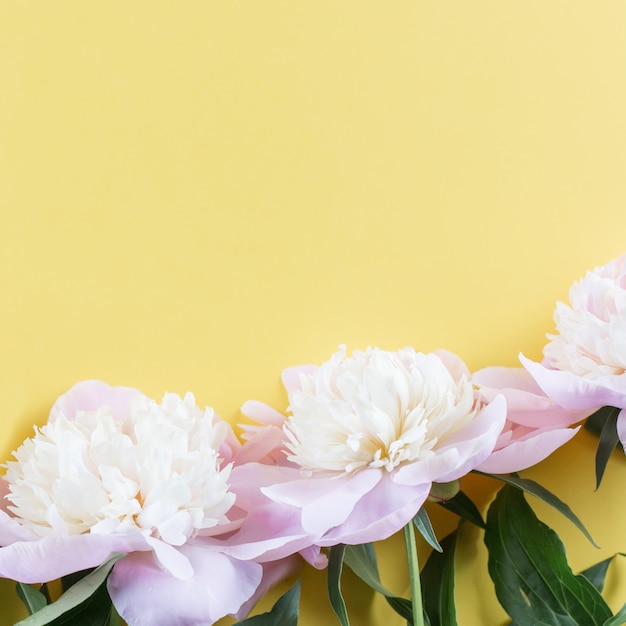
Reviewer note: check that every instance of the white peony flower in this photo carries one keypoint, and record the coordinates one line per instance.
(367, 437)
(115, 472)
(584, 365)
(591, 339)
(157, 470)
(375, 409)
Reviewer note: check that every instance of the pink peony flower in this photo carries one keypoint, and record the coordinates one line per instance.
(367, 436)
(535, 426)
(113, 471)
(584, 365)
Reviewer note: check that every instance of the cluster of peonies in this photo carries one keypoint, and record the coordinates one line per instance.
(208, 523)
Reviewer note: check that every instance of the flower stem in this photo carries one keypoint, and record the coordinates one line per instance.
(414, 575)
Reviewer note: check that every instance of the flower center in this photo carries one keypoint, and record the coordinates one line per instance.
(157, 470)
(375, 409)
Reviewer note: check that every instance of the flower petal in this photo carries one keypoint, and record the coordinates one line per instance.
(291, 376)
(380, 513)
(270, 532)
(325, 499)
(262, 413)
(573, 392)
(460, 453)
(54, 556)
(273, 573)
(453, 363)
(521, 454)
(265, 445)
(91, 395)
(171, 559)
(146, 595)
(525, 401)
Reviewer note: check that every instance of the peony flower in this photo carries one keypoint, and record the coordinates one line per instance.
(367, 436)
(113, 471)
(584, 365)
(535, 426)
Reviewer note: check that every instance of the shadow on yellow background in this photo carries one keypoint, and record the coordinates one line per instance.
(194, 196)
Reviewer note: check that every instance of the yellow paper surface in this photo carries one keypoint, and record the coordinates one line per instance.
(195, 195)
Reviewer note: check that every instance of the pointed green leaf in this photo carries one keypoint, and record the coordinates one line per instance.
(535, 489)
(527, 563)
(597, 573)
(69, 580)
(284, 612)
(114, 618)
(422, 523)
(361, 560)
(438, 584)
(463, 506)
(595, 421)
(335, 567)
(402, 607)
(619, 619)
(31, 597)
(70, 603)
(607, 443)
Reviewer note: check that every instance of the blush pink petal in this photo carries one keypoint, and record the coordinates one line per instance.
(380, 513)
(526, 403)
(230, 447)
(262, 413)
(270, 532)
(91, 395)
(273, 573)
(265, 446)
(171, 559)
(247, 480)
(574, 392)
(454, 364)
(291, 376)
(55, 556)
(146, 595)
(521, 454)
(326, 500)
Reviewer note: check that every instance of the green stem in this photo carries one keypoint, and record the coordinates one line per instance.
(414, 575)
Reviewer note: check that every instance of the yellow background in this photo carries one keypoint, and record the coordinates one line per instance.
(195, 195)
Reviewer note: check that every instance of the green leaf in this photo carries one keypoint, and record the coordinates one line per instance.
(335, 566)
(527, 563)
(607, 443)
(438, 584)
(463, 506)
(597, 573)
(69, 580)
(535, 489)
(31, 597)
(361, 560)
(422, 523)
(284, 612)
(114, 618)
(402, 607)
(83, 604)
(595, 421)
(618, 619)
